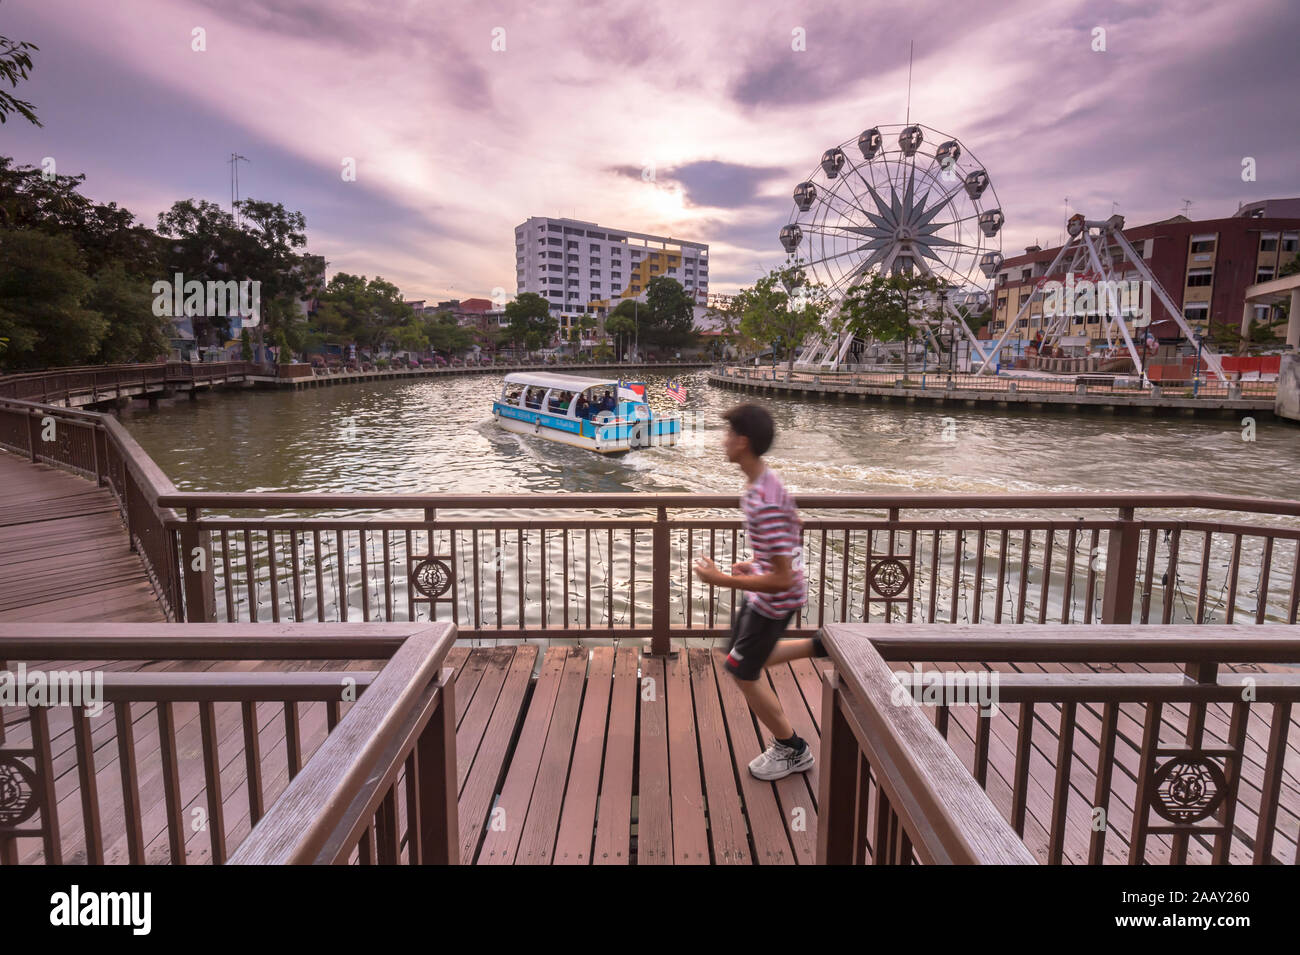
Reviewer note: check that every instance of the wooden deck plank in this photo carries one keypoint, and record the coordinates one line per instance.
(506, 825)
(613, 844)
(727, 830)
(690, 823)
(65, 554)
(767, 826)
(578, 818)
(541, 827)
(479, 789)
(654, 814)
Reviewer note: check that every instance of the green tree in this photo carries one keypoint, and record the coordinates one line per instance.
(283, 352)
(365, 311)
(621, 328)
(881, 308)
(531, 323)
(781, 310)
(15, 65)
(42, 290)
(670, 322)
(448, 336)
(271, 234)
(133, 333)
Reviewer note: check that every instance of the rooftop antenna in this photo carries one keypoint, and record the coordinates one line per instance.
(1067, 216)
(910, 45)
(1187, 204)
(234, 160)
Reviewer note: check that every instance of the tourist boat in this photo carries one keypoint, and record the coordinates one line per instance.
(549, 406)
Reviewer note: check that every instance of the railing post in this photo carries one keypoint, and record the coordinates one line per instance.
(200, 584)
(33, 433)
(837, 796)
(1121, 569)
(660, 563)
(436, 823)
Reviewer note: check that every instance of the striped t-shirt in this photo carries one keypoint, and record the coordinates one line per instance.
(774, 529)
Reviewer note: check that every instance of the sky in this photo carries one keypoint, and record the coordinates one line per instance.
(689, 119)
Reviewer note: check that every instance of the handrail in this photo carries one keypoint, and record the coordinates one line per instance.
(639, 501)
(927, 792)
(326, 796)
(202, 641)
(946, 815)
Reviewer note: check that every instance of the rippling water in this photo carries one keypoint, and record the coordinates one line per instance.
(439, 436)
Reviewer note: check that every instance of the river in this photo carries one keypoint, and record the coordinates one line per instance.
(439, 436)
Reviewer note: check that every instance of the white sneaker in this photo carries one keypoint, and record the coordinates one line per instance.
(779, 761)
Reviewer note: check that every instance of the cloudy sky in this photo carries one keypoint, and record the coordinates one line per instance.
(456, 142)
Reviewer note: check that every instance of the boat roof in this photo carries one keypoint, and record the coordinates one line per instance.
(567, 382)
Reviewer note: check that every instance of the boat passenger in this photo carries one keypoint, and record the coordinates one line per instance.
(584, 408)
(607, 403)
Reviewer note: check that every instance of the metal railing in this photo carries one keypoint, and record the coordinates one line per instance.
(922, 379)
(1074, 761)
(212, 746)
(578, 565)
(96, 383)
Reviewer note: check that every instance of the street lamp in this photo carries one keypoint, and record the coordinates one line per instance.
(1196, 372)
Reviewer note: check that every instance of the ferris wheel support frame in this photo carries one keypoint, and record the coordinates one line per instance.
(1084, 244)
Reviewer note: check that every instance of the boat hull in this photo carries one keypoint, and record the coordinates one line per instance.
(615, 438)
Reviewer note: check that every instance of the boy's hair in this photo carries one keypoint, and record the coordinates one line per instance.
(753, 422)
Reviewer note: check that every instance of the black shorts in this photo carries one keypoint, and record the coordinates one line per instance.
(753, 637)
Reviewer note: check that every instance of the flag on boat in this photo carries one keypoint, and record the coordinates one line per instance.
(631, 390)
(677, 391)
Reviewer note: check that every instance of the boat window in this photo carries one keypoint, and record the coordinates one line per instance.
(512, 394)
(533, 395)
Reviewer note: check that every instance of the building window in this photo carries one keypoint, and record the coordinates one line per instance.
(1201, 243)
(1264, 274)
(1199, 277)
(1196, 312)
(1268, 242)
(1290, 241)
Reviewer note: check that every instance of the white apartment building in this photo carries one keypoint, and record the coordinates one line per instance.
(582, 268)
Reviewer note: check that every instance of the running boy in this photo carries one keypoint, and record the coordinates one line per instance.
(773, 588)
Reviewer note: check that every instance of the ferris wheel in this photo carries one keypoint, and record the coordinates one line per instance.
(902, 199)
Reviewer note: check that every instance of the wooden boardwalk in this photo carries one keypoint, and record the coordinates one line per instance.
(589, 763)
(611, 766)
(63, 550)
(568, 755)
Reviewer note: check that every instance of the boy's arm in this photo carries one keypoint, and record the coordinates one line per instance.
(781, 578)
